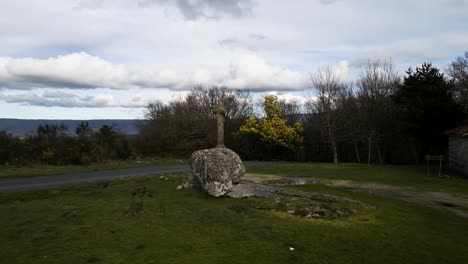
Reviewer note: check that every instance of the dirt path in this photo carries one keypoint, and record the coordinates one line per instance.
(439, 200)
(456, 204)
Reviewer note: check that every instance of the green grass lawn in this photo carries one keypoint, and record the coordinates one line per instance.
(148, 221)
(42, 170)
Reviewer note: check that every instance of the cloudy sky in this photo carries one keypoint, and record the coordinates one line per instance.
(88, 59)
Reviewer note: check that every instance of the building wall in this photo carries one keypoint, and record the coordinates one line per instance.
(458, 154)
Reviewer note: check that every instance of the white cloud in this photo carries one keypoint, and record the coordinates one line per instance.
(57, 94)
(78, 70)
(328, 2)
(212, 9)
(83, 71)
(429, 48)
(341, 69)
(251, 71)
(289, 97)
(88, 4)
(60, 99)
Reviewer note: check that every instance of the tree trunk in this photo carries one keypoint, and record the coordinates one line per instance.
(369, 144)
(379, 153)
(335, 153)
(331, 137)
(357, 152)
(415, 153)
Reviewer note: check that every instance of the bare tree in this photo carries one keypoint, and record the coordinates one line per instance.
(291, 110)
(328, 88)
(377, 82)
(458, 70)
(237, 103)
(348, 111)
(187, 124)
(156, 110)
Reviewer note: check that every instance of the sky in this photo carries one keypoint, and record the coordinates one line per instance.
(107, 59)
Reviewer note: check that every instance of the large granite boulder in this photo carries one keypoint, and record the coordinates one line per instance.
(215, 170)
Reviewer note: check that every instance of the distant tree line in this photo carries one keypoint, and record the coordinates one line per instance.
(53, 144)
(381, 117)
(188, 124)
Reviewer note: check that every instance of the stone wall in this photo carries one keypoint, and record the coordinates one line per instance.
(458, 154)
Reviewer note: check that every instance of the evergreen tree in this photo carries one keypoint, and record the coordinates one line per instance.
(427, 109)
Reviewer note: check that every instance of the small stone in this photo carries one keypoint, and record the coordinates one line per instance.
(187, 183)
(291, 248)
(180, 187)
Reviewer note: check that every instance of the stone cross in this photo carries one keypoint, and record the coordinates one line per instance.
(219, 112)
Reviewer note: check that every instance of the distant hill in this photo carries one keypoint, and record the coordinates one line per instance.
(23, 127)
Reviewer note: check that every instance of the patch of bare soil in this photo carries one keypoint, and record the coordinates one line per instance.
(439, 200)
(456, 204)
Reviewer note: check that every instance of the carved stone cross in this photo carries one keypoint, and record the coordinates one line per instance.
(219, 112)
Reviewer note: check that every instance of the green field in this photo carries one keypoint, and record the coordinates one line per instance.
(10, 171)
(148, 221)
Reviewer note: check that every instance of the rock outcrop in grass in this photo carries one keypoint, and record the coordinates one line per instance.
(215, 170)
